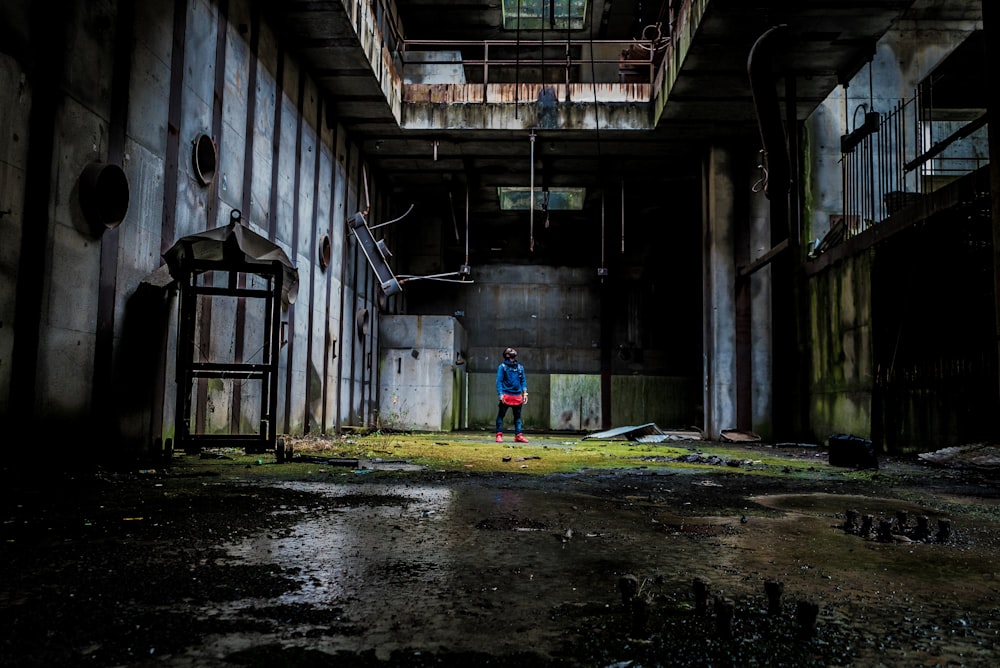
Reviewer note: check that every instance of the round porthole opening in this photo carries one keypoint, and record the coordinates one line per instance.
(104, 195)
(325, 252)
(205, 159)
(361, 319)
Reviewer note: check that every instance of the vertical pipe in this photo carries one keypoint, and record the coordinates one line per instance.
(246, 205)
(212, 203)
(531, 200)
(294, 242)
(602, 231)
(103, 381)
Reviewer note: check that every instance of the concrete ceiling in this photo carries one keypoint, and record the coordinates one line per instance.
(826, 42)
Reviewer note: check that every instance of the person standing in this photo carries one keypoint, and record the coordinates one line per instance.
(512, 393)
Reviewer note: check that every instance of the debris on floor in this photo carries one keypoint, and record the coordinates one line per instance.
(738, 436)
(349, 462)
(974, 455)
(647, 433)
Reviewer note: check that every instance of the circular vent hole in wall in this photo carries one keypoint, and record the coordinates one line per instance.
(104, 195)
(325, 251)
(205, 158)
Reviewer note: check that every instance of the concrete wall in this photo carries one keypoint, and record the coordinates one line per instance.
(84, 341)
(422, 372)
(573, 402)
(840, 325)
(553, 317)
(14, 119)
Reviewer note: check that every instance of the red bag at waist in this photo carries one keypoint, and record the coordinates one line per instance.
(512, 399)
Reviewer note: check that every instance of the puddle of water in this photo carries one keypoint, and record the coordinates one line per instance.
(410, 565)
(333, 555)
(486, 568)
(838, 504)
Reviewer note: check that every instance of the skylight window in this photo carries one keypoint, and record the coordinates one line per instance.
(544, 14)
(516, 198)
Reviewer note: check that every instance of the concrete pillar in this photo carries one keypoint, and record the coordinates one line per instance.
(719, 326)
(761, 329)
(990, 15)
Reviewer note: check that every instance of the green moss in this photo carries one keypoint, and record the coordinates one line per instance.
(545, 454)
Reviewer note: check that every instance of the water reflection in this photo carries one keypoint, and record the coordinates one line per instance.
(345, 551)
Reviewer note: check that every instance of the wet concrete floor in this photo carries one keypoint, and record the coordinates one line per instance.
(448, 568)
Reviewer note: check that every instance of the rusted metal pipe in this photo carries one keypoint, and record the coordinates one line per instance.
(765, 99)
(806, 613)
(701, 591)
(774, 589)
(725, 611)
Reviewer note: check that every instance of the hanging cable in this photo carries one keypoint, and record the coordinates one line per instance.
(569, 33)
(364, 178)
(394, 220)
(517, 61)
(601, 271)
(467, 224)
(623, 216)
(597, 124)
(543, 41)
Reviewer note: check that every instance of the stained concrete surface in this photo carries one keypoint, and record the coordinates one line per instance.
(220, 562)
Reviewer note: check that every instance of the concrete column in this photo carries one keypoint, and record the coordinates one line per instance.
(990, 16)
(718, 258)
(761, 331)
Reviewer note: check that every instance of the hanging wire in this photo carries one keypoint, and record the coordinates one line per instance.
(517, 61)
(623, 216)
(364, 177)
(466, 224)
(451, 210)
(396, 220)
(602, 230)
(597, 115)
(543, 41)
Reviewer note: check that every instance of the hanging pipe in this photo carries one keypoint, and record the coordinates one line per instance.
(602, 229)
(531, 201)
(765, 100)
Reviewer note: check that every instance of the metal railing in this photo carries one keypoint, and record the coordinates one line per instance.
(890, 161)
(530, 61)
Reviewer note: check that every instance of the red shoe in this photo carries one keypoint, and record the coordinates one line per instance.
(500, 437)
(519, 438)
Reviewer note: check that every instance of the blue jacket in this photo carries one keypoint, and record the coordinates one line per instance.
(511, 378)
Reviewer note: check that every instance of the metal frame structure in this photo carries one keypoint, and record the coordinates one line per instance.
(190, 371)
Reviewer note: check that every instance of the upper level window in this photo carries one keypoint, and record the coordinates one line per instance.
(544, 14)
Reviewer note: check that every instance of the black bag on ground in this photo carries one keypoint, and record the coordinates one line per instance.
(852, 451)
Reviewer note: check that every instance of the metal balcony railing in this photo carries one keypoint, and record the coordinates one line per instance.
(530, 61)
(889, 161)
